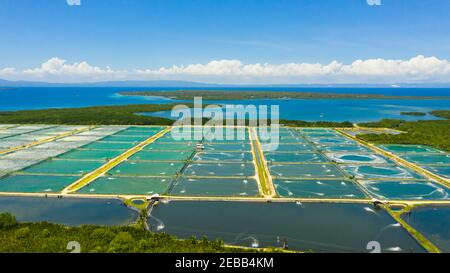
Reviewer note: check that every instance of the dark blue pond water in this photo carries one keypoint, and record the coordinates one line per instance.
(69, 211)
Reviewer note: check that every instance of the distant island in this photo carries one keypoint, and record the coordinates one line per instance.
(417, 114)
(248, 95)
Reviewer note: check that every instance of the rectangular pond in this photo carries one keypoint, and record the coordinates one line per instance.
(316, 227)
(127, 185)
(69, 211)
(215, 187)
(131, 168)
(318, 189)
(406, 190)
(433, 222)
(306, 170)
(77, 167)
(35, 183)
(219, 169)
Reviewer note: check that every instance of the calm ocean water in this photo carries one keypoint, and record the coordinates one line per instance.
(309, 110)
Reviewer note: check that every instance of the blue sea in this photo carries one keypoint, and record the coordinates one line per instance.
(309, 110)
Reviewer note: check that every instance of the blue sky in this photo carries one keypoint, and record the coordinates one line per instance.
(149, 34)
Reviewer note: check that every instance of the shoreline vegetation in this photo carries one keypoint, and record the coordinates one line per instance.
(222, 95)
(118, 115)
(416, 114)
(44, 237)
(434, 133)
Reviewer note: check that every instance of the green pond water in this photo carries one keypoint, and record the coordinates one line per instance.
(281, 138)
(161, 155)
(315, 130)
(132, 139)
(305, 170)
(326, 134)
(440, 170)
(227, 147)
(357, 158)
(433, 223)
(428, 158)
(91, 154)
(169, 139)
(69, 211)
(286, 147)
(316, 227)
(64, 167)
(138, 132)
(158, 146)
(127, 185)
(215, 187)
(295, 157)
(224, 156)
(398, 148)
(35, 183)
(317, 189)
(147, 168)
(343, 148)
(380, 171)
(110, 145)
(219, 169)
(335, 140)
(406, 190)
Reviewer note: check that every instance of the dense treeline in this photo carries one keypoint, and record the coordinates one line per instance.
(428, 132)
(105, 115)
(249, 94)
(331, 124)
(417, 114)
(117, 115)
(53, 238)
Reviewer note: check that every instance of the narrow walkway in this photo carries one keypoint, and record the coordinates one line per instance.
(264, 177)
(438, 179)
(409, 203)
(46, 140)
(88, 178)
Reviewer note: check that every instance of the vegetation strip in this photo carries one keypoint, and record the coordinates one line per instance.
(247, 95)
(424, 132)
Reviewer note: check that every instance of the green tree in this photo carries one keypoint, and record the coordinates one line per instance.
(7, 221)
(123, 242)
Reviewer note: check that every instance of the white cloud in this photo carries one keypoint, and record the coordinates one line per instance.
(374, 2)
(73, 2)
(416, 69)
(56, 68)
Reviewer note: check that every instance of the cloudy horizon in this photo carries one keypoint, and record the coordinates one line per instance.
(418, 69)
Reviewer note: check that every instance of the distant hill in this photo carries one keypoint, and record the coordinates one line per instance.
(187, 84)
